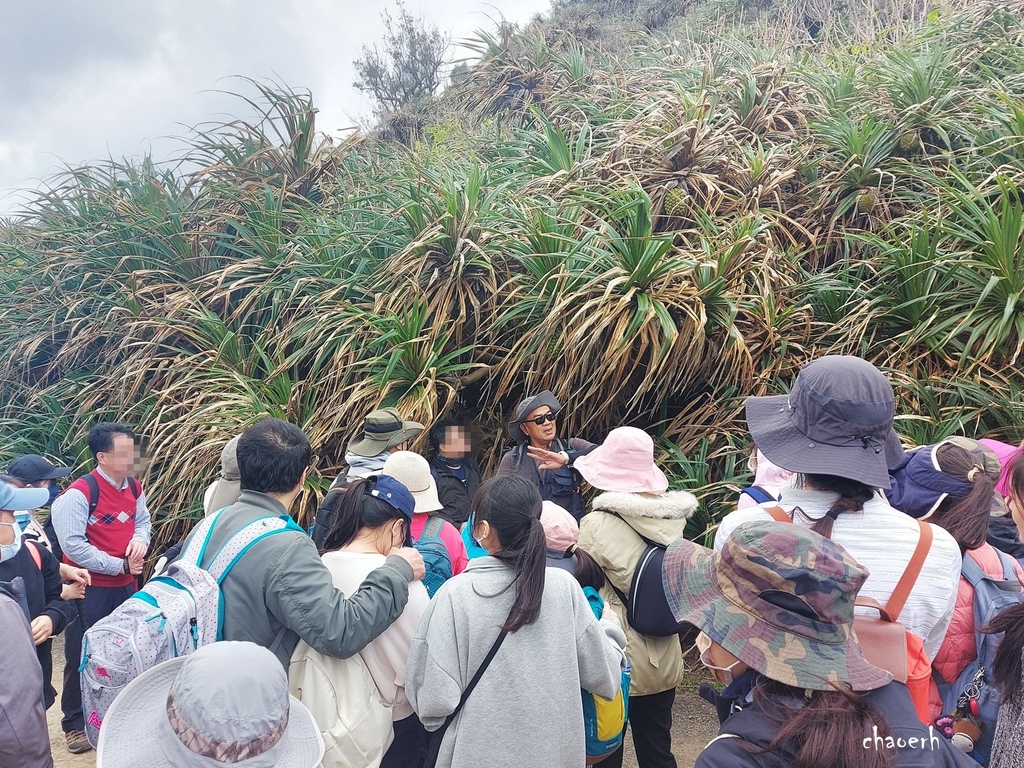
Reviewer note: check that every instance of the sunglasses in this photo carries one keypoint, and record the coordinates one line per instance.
(541, 420)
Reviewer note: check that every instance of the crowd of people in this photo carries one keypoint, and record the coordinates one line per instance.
(433, 616)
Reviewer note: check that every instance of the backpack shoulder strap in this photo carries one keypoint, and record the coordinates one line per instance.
(200, 538)
(906, 583)
(33, 550)
(973, 572)
(134, 485)
(433, 528)
(778, 514)
(94, 491)
(240, 543)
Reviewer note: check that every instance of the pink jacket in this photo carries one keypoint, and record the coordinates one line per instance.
(959, 647)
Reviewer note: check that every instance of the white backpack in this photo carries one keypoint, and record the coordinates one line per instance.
(172, 615)
(355, 722)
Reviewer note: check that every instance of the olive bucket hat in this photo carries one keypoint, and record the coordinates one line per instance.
(778, 597)
(382, 429)
(837, 420)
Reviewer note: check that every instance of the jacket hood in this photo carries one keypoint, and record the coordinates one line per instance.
(671, 505)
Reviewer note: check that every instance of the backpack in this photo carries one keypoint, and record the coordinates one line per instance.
(647, 608)
(604, 720)
(328, 508)
(354, 721)
(973, 689)
(171, 616)
(436, 557)
(883, 640)
(760, 495)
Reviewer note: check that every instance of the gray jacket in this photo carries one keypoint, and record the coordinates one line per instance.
(527, 709)
(281, 581)
(24, 740)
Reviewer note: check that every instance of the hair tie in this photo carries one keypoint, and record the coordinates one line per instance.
(974, 473)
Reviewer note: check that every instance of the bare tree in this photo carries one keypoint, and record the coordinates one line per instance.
(405, 67)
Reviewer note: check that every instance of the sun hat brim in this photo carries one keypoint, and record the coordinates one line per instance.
(427, 500)
(22, 499)
(689, 576)
(606, 476)
(537, 401)
(129, 733)
(373, 445)
(777, 437)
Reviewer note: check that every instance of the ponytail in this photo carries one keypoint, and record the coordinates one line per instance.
(828, 729)
(852, 497)
(1007, 667)
(966, 518)
(511, 505)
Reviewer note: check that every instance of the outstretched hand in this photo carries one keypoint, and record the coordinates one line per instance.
(547, 459)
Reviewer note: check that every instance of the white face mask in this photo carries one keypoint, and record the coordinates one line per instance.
(704, 644)
(8, 551)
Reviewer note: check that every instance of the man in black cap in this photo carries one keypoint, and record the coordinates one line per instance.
(544, 458)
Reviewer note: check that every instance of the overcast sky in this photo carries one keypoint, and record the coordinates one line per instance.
(89, 79)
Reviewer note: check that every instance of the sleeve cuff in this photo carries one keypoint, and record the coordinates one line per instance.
(400, 565)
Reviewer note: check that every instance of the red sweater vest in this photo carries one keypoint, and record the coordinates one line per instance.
(111, 525)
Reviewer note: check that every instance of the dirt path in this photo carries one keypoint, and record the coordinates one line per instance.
(694, 725)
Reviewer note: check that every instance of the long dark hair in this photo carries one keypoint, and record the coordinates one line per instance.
(1007, 667)
(828, 729)
(852, 496)
(511, 504)
(965, 517)
(588, 572)
(357, 510)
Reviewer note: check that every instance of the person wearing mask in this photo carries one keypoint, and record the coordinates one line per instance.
(775, 612)
(36, 472)
(634, 508)
(951, 484)
(374, 518)
(524, 633)
(103, 525)
(543, 458)
(454, 469)
(834, 430)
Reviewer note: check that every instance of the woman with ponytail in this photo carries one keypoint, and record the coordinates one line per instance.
(952, 484)
(834, 430)
(374, 517)
(775, 613)
(526, 709)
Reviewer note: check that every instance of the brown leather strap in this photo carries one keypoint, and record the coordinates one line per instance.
(909, 577)
(778, 514)
(863, 601)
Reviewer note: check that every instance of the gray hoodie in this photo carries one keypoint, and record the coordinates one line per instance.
(24, 740)
(527, 709)
(281, 581)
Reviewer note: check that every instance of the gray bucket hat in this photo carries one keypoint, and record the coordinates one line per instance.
(225, 704)
(529, 405)
(837, 420)
(228, 486)
(383, 429)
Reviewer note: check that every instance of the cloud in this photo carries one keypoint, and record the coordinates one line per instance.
(81, 81)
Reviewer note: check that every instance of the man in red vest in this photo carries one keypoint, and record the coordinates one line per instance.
(103, 525)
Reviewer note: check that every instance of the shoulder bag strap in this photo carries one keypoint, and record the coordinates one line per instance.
(778, 514)
(906, 583)
(33, 551)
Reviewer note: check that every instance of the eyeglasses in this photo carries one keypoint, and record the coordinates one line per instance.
(541, 420)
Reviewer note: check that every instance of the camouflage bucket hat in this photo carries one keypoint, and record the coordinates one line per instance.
(780, 599)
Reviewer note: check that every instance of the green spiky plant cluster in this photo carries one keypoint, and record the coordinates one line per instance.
(653, 233)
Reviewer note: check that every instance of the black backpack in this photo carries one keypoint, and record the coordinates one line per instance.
(328, 507)
(647, 609)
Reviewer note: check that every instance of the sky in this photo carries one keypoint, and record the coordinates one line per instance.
(84, 80)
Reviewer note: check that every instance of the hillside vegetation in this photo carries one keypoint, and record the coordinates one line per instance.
(652, 226)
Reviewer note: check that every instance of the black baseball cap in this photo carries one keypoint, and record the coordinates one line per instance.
(33, 468)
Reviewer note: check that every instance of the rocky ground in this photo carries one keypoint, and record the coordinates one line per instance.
(694, 725)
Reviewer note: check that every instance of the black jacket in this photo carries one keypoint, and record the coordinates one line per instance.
(755, 729)
(1003, 535)
(456, 495)
(42, 589)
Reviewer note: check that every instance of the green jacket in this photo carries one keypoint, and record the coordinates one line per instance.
(281, 581)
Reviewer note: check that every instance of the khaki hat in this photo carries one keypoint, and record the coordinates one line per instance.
(383, 429)
(413, 471)
(228, 486)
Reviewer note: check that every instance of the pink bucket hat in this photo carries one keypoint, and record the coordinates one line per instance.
(561, 531)
(624, 462)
